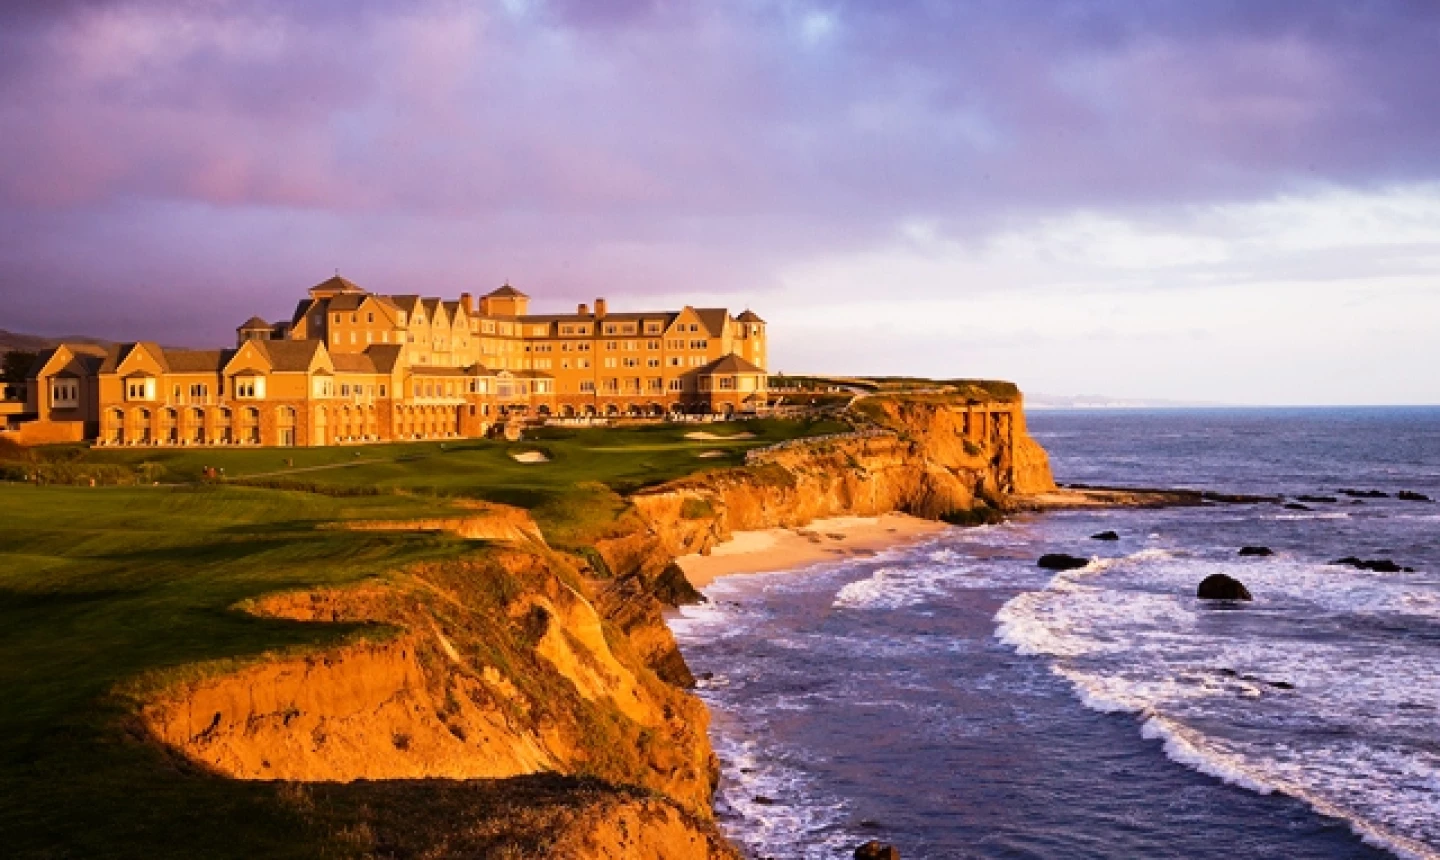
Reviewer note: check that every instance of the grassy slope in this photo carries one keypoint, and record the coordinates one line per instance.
(99, 586)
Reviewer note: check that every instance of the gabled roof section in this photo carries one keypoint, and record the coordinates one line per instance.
(197, 360)
(335, 285)
(303, 308)
(347, 302)
(255, 324)
(353, 362)
(290, 356)
(384, 356)
(433, 308)
(731, 363)
(505, 292)
(85, 358)
(713, 319)
(749, 316)
(121, 353)
(408, 304)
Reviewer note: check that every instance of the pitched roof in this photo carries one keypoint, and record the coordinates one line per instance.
(289, 355)
(197, 360)
(384, 356)
(347, 302)
(436, 370)
(713, 319)
(353, 362)
(405, 303)
(89, 356)
(254, 323)
(731, 363)
(634, 316)
(749, 316)
(339, 284)
(302, 308)
(117, 354)
(505, 292)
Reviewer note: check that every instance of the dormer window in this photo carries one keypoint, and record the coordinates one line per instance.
(140, 389)
(250, 387)
(64, 393)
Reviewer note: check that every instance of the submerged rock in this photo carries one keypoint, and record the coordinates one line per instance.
(1256, 550)
(873, 850)
(1105, 535)
(1061, 561)
(1329, 500)
(1364, 494)
(1408, 496)
(1377, 565)
(1218, 586)
(1296, 506)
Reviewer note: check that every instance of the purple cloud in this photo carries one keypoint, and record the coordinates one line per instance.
(216, 157)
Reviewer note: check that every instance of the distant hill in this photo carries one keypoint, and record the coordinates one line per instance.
(11, 341)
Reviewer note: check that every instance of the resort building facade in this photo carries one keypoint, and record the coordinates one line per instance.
(352, 366)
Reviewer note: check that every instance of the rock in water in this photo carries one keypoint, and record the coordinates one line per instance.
(1296, 506)
(1329, 500)
(1218, 586)
(1256, 550)
(1061, 561)
(873, 850)
(1377, 565)
(1105, 535)
(1409, 496)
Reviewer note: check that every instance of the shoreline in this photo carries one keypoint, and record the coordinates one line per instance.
(831, 539)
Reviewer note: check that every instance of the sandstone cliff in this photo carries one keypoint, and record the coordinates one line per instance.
(522, 659)
(929, 457)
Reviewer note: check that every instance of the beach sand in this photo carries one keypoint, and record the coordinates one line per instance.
(834, 539)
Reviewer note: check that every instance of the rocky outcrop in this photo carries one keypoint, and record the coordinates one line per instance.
(1061, 561)
(1105, 535)
(502, 665)
(1218, 586)
(1256, 551)
(930, 458)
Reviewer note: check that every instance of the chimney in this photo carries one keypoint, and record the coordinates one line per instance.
(468, 304)
(583, 310)
(599, 309)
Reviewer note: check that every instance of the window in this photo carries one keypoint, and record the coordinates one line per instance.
(655, 385)
(611, 328)
(677, 384)
(370, 318)
(344, 391)
(675, 361)
(697, 361)
(699, 344)
(727, 383)
(199, 392)
(140, 389)
(587, 386)
(610, 361)
(382, 391)
(250, 387)
(567, 329)
(64, 393)
(631, 346)
(694, 327)
(652, 327)
(582, 362)
(337, 319)
(631, 362)
(612, 345)
(652, 361)
(652, 345)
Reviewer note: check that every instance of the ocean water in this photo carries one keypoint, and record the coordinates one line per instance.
(955, 700)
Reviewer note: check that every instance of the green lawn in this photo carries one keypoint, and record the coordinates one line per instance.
(100, 586)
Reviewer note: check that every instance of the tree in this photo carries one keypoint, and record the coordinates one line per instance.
(16, 366)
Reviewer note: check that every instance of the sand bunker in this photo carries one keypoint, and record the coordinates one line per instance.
(530, 457)
(711, 437)
(710, 455)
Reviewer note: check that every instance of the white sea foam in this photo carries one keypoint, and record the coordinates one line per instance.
(1336, 722)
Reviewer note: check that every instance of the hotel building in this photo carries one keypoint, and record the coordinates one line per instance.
(352, 366)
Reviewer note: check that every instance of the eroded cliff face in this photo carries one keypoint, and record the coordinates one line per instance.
(932, 459)
(502, 666)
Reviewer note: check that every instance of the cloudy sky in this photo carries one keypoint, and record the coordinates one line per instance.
(1221, 200)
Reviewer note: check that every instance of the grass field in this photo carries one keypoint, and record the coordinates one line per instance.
(100, 586)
